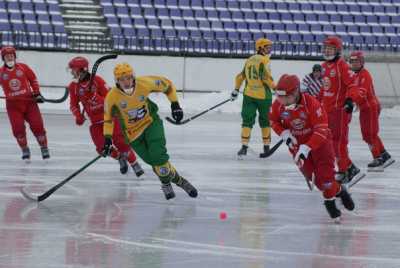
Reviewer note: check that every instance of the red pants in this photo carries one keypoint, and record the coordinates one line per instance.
(96, 132)
(21, 111)
(339, 122)
(369, 123)
(321, 163)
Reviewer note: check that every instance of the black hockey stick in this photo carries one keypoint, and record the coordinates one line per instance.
(271, 150)
(60, 100)
(96, 65)
(195, 116)
(55, 187)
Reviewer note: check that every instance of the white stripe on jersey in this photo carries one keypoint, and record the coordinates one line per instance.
(311, 85)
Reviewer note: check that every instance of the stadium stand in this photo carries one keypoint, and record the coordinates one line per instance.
(36, 24)
(213, 26)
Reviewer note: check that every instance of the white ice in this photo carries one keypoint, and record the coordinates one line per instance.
(104, 219)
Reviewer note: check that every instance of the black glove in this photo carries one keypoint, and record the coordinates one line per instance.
(38, 98)
(234, 94)
(176, 111)
(107, 147)
(348, 105)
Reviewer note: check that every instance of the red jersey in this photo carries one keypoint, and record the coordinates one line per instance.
(337, 79)
(308, 122)
(92, 100)
(364, 93)
(18, 82)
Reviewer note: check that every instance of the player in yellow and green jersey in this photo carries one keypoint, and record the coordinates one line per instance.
(143, 129)
(257, 95)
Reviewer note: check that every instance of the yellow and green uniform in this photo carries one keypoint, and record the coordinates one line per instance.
(257, 96)
(142, 127)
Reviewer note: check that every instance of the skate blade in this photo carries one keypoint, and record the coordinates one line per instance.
(388, 163)
(355, 180)
(337, 220)
(240, 157)
(27, 161)
(375, 169)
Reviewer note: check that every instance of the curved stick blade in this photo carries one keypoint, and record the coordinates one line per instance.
(28, 196)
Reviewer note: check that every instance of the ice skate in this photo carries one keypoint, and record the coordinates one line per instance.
(45, 153)
(346, 199)
(333, 211)
(353, 173)
(242, 152)
(387, 159)
(187, 187)
(376, 165)
(137, 169)
(123, 165)
(266, 152)
(168, 190)
(26, 155)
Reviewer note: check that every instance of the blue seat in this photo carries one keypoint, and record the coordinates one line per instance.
(295, 37)
(127, 32)
(245, 6)
(200, 15)
(170, 33)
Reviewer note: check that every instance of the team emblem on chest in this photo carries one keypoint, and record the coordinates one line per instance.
(5, 76)
(123, 104)
(297, 124)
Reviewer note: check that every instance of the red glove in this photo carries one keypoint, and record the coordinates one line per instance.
(79, 119)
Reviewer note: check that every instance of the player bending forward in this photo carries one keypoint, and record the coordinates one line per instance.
(300, 121)
(93, 104)
(142, 126)
(21, 88)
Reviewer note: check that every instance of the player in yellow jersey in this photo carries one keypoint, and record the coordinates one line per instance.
(257, 95)
(143, 129)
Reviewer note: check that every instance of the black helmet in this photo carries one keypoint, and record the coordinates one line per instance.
(317, 68)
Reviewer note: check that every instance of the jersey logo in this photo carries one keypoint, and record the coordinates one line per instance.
(123, 104)
(297, 124)
(141, 98)
(326, 82)
(5, 76)
(285, 115)
(136, 114)
(332, 73)
(15, 84)
(81, 91)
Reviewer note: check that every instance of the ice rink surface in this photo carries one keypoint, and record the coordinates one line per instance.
(104, 219)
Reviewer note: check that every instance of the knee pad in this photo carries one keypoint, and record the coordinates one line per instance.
(330, 189)
(166, 172)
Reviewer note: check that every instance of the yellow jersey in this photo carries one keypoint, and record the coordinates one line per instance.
(257, 74)
(135, 112)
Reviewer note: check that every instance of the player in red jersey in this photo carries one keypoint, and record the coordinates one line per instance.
(337, 81)
(92, 100)
(22, 92)
(367, 101)
(302, 123)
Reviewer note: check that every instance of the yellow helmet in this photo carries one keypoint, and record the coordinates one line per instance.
(262, 42)
(122, 69)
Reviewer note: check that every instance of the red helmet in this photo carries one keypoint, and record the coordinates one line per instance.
(357, 55)
(8, 50)
(287, 85)
(334, 41)
(79, 63)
